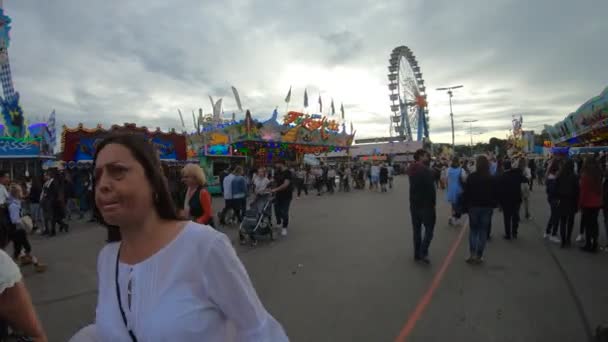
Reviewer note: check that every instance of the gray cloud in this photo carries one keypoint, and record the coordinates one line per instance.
(114, 61)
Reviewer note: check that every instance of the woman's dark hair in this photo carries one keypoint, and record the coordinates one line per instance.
(593, 172)
(419, 154)
(567, 169)
(554, 167)
(455, 162)
(146, 155)
(483, 166)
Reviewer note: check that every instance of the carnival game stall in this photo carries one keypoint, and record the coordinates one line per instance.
(79, 144)
(587, 126)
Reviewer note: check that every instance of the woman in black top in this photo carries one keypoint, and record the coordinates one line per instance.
(480, 199)
(567, 188)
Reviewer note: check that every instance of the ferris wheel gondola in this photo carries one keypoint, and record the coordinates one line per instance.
(409, 118)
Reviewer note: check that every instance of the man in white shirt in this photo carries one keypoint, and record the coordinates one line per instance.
(391, 174)
(375, 172)
(5, 181)
(227, 197)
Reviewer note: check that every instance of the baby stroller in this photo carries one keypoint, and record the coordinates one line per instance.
(257, 221)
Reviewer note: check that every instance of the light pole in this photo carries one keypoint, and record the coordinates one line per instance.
(470, 122)
(449, 89)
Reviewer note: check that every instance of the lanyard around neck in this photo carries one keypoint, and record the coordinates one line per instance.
(122, 311)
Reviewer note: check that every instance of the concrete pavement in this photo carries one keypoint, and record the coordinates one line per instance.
(345, 273)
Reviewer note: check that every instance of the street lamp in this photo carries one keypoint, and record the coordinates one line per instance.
(470, 122)
(449, 89)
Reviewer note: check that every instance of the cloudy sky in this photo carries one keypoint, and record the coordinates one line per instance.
(116, 61)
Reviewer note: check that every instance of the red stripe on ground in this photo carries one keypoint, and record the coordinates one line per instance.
(425, 300)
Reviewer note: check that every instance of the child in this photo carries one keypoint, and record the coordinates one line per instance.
(18, 234)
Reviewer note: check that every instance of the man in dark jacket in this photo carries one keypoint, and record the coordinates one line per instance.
(510, 198)
(422, 204)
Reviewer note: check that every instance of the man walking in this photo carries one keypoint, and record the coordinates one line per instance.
(422, 204)
(284, 192)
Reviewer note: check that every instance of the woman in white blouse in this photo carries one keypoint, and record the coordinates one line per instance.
(166, 279)
(15, 304)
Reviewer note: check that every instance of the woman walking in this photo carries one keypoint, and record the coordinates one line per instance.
(18, 233)
(590, 202)
(197, 202)
(567, 194)
(480, 199)
(553, 199)
(455, 178)
(159, 261)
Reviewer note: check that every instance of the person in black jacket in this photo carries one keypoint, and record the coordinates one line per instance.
(553, 199)
(605, 207)
(422, 204)
(510, 198)
(567, 193)
(480, 199)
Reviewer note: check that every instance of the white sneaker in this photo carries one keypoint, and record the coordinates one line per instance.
(580, 238)
(284, 232)
(555, 239)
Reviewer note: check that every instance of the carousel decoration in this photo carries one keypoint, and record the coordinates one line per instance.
(18, 139)
(588, 125)
(407, 94)
(515, 141)
(79, 144)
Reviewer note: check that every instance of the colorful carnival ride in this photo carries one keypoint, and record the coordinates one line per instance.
(265, 141)
(222, 143)
(587, 126)
(23, 147)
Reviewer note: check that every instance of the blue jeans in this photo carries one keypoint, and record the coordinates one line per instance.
(480, 221)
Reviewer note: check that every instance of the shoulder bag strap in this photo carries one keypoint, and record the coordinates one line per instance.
(122, 311)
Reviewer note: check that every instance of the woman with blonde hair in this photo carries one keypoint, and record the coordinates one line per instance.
(18, 233)
(197, 202)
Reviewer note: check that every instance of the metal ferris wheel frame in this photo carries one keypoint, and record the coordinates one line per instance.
(409, 119)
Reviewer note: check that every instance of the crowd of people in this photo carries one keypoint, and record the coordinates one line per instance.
(480, 187)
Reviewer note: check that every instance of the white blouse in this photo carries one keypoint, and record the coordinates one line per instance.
(193, 289)
(9, 272)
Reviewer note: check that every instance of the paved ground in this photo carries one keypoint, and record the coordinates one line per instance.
(345, 273)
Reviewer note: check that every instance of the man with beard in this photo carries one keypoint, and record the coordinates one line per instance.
(284, 192)
(422, 204)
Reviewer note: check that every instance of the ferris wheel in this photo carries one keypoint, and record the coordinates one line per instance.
(409, 119)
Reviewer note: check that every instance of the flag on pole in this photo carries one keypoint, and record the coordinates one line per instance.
(181, 118)
(333, 108)
(288, 97)
(217, 110)
(196, 127)
(237, 98)
(342, 110)
(201, 120)
(51, 126)
(305, 98)
(320, 104)
(212, 103)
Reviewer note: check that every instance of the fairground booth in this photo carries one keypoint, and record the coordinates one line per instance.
(79, 144)
(583, 131)
(24, 149)
(253, 143)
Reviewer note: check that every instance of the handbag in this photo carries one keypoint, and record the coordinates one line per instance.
(27, 224)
